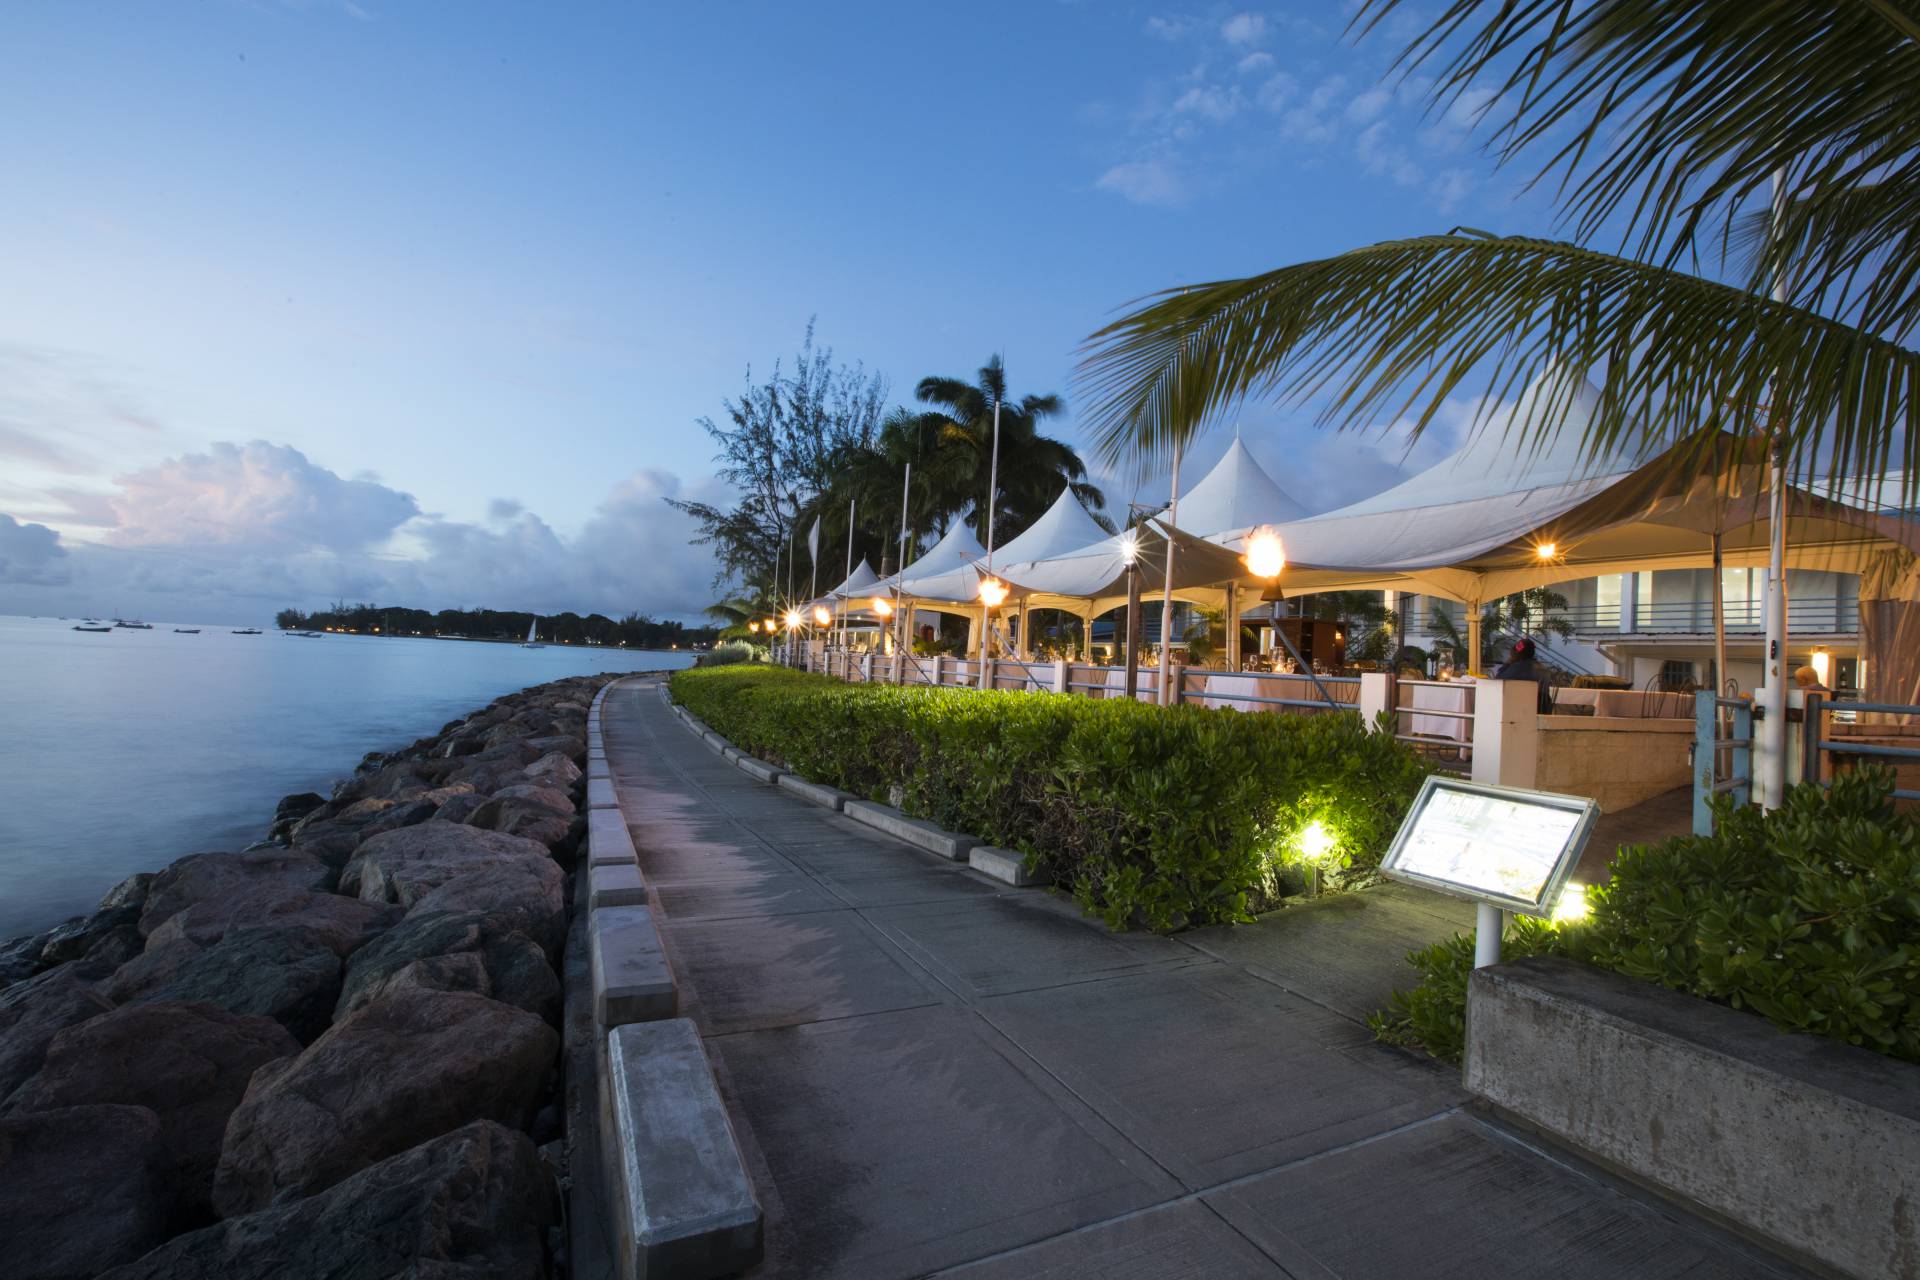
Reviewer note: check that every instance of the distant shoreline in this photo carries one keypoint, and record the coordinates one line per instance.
(544, 644)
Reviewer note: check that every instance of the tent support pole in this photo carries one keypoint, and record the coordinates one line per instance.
(1473, 637)
(1719, 621)
(1133, 630)
(1233, 626)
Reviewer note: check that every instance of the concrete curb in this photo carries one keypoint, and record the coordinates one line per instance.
(683, 1204)
(1004, 864)
(758, 769)
(608, 840)
(826, 797)
(613, 884)
(631, 979)
(600, 794)
(918, 832)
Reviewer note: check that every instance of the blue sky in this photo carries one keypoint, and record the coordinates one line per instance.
(421, 301)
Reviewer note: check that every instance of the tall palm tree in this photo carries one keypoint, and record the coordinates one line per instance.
(1664, 123)
(1033, 467)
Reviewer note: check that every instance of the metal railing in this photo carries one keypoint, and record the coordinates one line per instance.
(1806, 615)
(1437, 724)
(1821, 742)
(1722, 754)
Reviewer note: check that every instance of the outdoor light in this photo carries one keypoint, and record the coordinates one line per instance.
(1314, 841)
(1130, 547)
(820, 615)
(793, 619)
(1572, 907)
(770, 625)
(993, 592)
(1822, 662)
(882, 606)
(754, 626)
(1265, 556)
(1547, 550)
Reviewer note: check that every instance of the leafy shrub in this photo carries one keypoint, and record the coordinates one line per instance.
(1154, 816)
(733, 652)
(1808, 916)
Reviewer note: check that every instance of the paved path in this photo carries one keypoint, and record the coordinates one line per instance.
(934, 1073)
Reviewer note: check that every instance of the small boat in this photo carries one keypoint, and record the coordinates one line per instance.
(132, 624)
(247, 631)
(309, 635)
(532, 640)
(101, 629)
(186, 631)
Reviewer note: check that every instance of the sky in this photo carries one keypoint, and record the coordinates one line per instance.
(421, 303)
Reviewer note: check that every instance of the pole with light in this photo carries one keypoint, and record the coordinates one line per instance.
(991, 592)
(1166, 599)
(1130, 555)
(1772, 730)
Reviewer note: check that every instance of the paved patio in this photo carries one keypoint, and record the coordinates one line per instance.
(932, 1073)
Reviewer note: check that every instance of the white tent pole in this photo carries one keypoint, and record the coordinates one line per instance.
(899, 623)
(1166, 601)
(843, 595)
(1772, 756)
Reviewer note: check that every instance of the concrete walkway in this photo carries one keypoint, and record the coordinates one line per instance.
(934, 1073)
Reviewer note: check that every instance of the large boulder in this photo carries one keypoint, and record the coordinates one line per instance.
(105, 940)
(131, 892)
(403, 866)
(404, 813)
(202, 877)
(81, 1189)
(347, 922)
(530, 819)
(454, 951)
(554, 770)
(461, 808)
(472, 1203)
(187, 1063)
(552, 798)
(528, 894)
(290, 973)
(397, 1072)
(33, 1012)
(290, 810)
(20, 958)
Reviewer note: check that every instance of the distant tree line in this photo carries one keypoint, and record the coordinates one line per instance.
(635, 631)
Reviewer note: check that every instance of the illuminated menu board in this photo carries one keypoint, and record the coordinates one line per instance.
(1504, 845)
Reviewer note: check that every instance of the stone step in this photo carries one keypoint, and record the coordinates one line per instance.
(1003, 864)
(614, 884)
(915, 831)
(632, 981)
(758, 769)
(683, 1203)
(824, 796)
(608, 840)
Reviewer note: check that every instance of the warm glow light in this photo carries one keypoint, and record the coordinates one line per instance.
(754, 626)
(883, 606)
(1265, 556)
(1572, 907)
(1547, 550)
(793, 619)
(1129, 547)
(820, 615)
(1822, 663)
(1314, 841)
(993, 592)
(770, 625)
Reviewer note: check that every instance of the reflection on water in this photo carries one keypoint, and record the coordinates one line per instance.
(124, 751)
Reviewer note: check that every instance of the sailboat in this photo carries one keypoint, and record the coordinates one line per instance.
(532, 641)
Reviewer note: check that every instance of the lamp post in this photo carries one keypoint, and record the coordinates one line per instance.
(1130, 553)
(1166, 598)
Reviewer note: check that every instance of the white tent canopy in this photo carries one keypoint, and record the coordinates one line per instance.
(956, 549)
(1093, 579)
(1065, 527)
(860, 582)
(1236, 496)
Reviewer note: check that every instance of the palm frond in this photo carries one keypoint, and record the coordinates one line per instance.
(1396, 328)
(1675, 115)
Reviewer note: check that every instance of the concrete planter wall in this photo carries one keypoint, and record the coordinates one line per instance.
(1807, 1143)
(1617, 760)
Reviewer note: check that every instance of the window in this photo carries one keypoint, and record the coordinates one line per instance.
(1676, 675)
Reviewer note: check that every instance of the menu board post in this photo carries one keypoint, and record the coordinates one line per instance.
(1508, 849)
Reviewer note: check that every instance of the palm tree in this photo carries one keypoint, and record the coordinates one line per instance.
(1033, 467)
(1665, 122)
(1536, 612)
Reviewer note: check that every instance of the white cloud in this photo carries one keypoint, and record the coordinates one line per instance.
(1210, 102)
(31, 554)
(1253, 63)
(1277, 92)
(503, 509)
(1148, 182)
(1367, 106)
(1451, 187)
(1244, 29)
(1381, 156)
(258, 495)
(1169, 28)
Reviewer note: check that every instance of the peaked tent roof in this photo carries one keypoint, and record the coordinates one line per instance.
(1098, 573)
(1065, 527)
(956, 549)
(1236, 496)
(859, 582)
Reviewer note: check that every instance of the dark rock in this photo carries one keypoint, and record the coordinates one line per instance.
(346, 922)
(308, 1122)
(331, 842)
(572, 746)
(454, 951)
(288, 973)
(402, 866)
(404, 813)
(555, 770)
(20, 958)
(187, 1063)
(461, 808)
(219, 876)
(81, 1189)
(34, 1011)
(472, 1203)
(528, 893)
(131, 892)
(75, 938)
(465, 745)
(547, 796)
(291, 809)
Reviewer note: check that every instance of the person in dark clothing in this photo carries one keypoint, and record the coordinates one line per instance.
(1524, 664)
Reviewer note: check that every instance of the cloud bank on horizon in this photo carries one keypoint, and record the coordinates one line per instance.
(240, 531)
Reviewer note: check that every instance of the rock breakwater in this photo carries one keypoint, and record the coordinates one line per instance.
(335, 1052)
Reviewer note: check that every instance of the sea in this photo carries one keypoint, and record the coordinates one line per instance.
(125, 750)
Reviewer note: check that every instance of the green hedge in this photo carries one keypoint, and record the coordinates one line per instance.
(1808, 916)
(1153, 816)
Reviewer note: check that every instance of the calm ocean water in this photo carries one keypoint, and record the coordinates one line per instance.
(126, 750)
